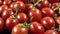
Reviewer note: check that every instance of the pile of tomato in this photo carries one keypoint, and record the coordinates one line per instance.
(30, 16)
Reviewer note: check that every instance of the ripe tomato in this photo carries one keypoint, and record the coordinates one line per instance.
(3, 7)
(35, 15)
(20, 5)
(7, 13)
(53, 1)
(19, 30)
(1, 24)
(12, 6)
(1, 2)
(11, 22)
(51, 32)
(48, 22)
(22, 17)
(7, 2)
(43, 4)
(36, 28)
(48, 12)
(57, 21)
(28, 7)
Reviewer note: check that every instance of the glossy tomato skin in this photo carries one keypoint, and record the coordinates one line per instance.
(19, 30)
(36, 28)
(35, 15)
(51, 32)
(7, 2)
(43, 4)
(3, 7)
(7, 13)
(22, 17)
(28, 7)
(53, 1)
(48, 22)
(57, 21)
(11, 22)
(1, 2)
(55, 5)
(20, 5)
(1, 24)
(48, 12)
(12, 6)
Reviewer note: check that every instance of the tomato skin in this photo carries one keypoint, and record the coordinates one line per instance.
(48, 12)
(1, 24)
(1, 2)
(53, 1)
(28, 7)
(36, 28)
(3, 7)
(20, 5)
(12, 6)
(7, 2)
(48, 22)
(57, 21)
(11, 22)
(19, 30)
(22, 17)
(43, 4)
(35, 15)
(51, 32)
(7, 13)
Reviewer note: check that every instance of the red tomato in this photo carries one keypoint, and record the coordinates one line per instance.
(7, 2)
(51, 32)
(19, 30)
(22, 17)
(20, 5)
(1, 24)
(48, 22)
(43, 4)
(53, 1)
(3, 7)
(7, 13)
(28, 7)
(11, 22)
(35, 15)
(36, 28)
(48, 12)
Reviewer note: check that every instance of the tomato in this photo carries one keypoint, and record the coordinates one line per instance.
(51, 32)
(22, 17)
(20, 5)
(12, 6)
(28, 7)
(3, 7)
(55, 5)
(1, 2)
(36, 28)
(48, 12)
(7, 13)
(7, 2)
(19, 30)
(35, 15)
(1, 24)
(57, 21)
(53, 1)
(11, 22)
(43, 4)
(48, 22)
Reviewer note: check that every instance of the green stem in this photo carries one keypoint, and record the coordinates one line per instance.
(59, 28)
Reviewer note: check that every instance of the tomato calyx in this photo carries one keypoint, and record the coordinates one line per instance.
(24, 25)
